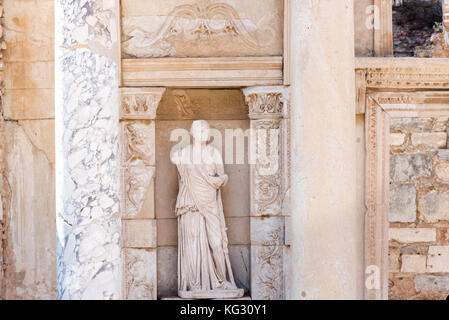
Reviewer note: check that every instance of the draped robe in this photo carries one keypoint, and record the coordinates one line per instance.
(203, 258)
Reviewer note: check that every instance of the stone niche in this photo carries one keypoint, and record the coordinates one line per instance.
(223, 109)
(201, 28)
(150, 182)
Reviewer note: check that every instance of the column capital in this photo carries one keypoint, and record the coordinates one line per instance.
(267, 102)
(140, 103)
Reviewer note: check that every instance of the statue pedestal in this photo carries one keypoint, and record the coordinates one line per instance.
(212, 294)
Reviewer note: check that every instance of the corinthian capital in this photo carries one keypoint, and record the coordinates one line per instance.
(140, 103)
(266, 102)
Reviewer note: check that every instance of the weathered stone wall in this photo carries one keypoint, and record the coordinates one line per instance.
(419, 209)
(27, 157)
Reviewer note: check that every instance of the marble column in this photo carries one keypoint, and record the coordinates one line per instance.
(267, 108)
(89, 246)
(327, 233)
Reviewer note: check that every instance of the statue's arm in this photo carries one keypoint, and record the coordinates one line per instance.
(221, 178)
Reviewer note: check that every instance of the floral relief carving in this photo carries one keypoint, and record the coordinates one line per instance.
(267, 175)
(184, 104)
(202, 20)
(269, 261)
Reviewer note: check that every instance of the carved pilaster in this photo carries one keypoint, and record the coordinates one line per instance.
(138, 112)
(269, 113)
(377, 201)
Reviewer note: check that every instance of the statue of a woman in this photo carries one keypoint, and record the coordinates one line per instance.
(204, 269)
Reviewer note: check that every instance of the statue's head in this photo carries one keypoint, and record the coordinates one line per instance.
(200, 130)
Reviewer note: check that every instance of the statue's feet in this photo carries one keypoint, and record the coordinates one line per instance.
(226, 285)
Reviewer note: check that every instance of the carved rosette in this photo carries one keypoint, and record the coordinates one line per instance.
(269, 113)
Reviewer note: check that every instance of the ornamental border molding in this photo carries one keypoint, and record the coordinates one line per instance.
(380, 108)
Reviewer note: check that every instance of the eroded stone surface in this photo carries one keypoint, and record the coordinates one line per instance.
(402, 203)
(410, 167)
(431, 283)
(433, 139)
(438, 260)
(434, 206)
(413, 235)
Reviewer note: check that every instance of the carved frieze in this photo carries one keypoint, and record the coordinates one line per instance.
(201, 28)
(405, 73)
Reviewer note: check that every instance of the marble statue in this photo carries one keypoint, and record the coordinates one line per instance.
(204, 268)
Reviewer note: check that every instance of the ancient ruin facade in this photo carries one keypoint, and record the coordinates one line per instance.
(335, 146)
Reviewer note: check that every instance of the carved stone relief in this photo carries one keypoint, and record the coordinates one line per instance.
(268, 106)
(201, 28)
(140, 103)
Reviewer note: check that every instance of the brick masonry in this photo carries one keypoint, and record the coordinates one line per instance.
(419, 209)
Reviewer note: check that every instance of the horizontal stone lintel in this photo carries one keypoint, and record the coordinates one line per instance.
(203, 72)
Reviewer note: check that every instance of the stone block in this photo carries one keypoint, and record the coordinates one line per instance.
(139, 234)
(411, 124)
(413, 235)
(397, 139)
(438, 260)
(431, 283)
(393, 261)
(413, 263)
(167, 272)
(238, 230)
(432, 139)
(267, 230)
(140, 274)
(167, 232)
(434, 206)
(407, 167)
(442, 172)
(240, 263)
(402, 203)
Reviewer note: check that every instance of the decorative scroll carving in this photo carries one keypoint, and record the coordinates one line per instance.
(139, 143)
(269, 259)
(203, 20)
(267, 174)
(140, 103)
(140, 274)
(377, 201)
(186, 107)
